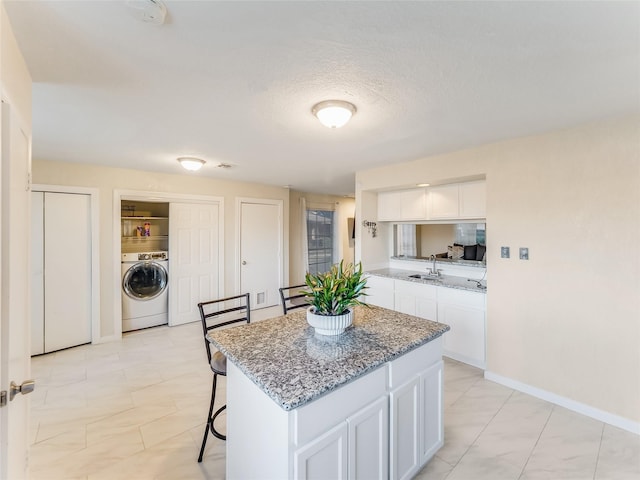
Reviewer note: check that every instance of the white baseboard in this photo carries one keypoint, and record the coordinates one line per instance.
(595, 413)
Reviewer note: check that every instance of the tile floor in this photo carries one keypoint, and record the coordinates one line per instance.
(135, 410)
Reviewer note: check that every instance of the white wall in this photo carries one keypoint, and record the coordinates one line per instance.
(345, 208)
(568, 320)
(109, 179)
(16, 80)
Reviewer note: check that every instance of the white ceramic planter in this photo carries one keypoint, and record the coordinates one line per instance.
(329, 324)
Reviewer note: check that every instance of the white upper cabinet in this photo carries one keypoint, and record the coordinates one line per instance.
(458, 201)
(455, 201)
(402, 205)
(443, 202)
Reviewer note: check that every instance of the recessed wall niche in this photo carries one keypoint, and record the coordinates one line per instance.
(433, 239)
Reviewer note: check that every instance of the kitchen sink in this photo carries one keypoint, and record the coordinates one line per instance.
(421, 276)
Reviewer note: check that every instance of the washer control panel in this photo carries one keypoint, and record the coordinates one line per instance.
(145, 256)
(152, 256)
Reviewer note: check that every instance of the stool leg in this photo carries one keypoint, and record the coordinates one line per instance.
(209, 417)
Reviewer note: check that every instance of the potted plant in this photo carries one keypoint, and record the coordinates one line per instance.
(332, 296)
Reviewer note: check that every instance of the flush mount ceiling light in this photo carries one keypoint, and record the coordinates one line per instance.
(191, 163)
(334, 113)
(148, 11)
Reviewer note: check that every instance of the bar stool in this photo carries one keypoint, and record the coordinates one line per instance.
(216, 314)
(292, 297)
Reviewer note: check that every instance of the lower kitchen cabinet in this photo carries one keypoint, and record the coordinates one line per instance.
(380, 292)
(416, 435)
(431, 408)
(369, 441)
(323, 457)
(405, 424)
(379, 426)
(356, 448)
(464, 312)
(416, 299)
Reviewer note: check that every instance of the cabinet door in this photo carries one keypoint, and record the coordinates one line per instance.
(325, 457)
(380, 292)
(405, 303)
(413, 204)
(427, 308)
(466, 339)
(369, 442)
(443, 202)
(405, 424)
(473, 200)
(389, 206)
(416, 299)
(431, 412)
(402, 205)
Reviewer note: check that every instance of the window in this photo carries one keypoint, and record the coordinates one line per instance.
(320, 240)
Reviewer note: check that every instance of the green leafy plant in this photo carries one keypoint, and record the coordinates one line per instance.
(333, 292)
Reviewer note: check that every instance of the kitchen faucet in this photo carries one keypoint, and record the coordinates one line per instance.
(433, 270)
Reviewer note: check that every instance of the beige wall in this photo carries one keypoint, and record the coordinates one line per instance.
(14, 75)
(109, 179)
(435, 239)
(568, 320)
(345, 207)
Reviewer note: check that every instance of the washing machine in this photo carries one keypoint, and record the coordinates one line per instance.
(145, 298)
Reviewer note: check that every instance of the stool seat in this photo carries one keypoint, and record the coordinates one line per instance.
(219, 363)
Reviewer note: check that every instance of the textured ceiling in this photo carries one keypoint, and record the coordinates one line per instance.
(234, 82)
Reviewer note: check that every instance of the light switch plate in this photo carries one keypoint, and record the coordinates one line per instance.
(504, 252)
(524, 253)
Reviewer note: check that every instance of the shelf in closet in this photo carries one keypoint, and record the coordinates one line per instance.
(151, 237)
(144, 218)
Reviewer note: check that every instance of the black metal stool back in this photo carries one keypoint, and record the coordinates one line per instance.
(291, 297)
(217, 314)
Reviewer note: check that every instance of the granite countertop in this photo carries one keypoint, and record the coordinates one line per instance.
(293, 366)
(450, 281)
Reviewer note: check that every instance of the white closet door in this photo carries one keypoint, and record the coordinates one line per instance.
(194, 259)
(260, 257)
(37, 273)
(67, 270)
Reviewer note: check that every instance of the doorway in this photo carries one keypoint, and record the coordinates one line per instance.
(194, 242)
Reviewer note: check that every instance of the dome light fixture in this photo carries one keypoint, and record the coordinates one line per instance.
(191, 163)
(334, 113)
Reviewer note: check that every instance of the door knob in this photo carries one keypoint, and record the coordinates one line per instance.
(27, 387)
(244, 262)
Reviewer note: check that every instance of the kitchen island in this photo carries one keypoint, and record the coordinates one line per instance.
(364, 404)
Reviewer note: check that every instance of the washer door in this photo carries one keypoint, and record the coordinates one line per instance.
(145, 280)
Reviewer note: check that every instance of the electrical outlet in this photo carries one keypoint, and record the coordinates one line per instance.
(504, 252)
(524, 253)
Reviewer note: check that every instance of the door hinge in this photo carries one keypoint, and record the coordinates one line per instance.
(3, 398)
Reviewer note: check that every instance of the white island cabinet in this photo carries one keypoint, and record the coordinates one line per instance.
(317, 422)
